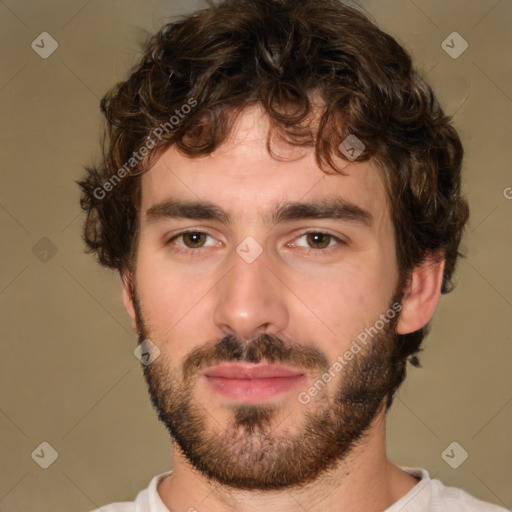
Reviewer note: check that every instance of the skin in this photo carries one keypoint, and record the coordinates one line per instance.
(325, 299)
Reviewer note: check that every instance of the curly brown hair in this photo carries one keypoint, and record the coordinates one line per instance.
(280, 55)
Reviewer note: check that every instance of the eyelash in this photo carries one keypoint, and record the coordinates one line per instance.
(314, 252)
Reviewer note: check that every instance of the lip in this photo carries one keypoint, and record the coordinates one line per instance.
(249, 382)
(251, 371)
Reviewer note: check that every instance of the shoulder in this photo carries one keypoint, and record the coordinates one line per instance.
(431, 495)
(125, 506)
(451, 498)
(148, 500)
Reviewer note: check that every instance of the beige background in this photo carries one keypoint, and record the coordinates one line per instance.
(68, 373)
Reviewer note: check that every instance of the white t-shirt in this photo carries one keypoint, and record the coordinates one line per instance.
(428, 495)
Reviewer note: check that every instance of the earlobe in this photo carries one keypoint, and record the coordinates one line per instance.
(126, 283)
(421, 295)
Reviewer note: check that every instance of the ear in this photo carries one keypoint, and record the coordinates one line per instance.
(126, 279)
(422, 294)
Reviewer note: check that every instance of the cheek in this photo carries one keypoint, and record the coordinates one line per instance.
(327, 305)
(337, 304)
(174, 304)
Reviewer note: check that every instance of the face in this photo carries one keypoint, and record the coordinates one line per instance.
(270, 289)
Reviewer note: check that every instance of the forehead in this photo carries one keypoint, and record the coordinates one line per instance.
(247, 181)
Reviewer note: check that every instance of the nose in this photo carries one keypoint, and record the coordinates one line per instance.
(251, 300)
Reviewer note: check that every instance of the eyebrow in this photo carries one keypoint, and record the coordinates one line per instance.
(336, 208)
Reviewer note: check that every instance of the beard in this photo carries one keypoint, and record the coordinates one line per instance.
(251, 452)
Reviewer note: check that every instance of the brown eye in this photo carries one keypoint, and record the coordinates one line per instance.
(194, 239)
(319, 240)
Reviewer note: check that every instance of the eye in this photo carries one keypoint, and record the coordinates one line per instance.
(191, 240)
(316, 242)
(194, 239)
(319, 241)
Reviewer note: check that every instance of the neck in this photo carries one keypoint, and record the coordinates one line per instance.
(365, 480)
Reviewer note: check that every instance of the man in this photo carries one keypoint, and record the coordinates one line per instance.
(281, 196)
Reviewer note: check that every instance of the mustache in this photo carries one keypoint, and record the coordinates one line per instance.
(266, 347)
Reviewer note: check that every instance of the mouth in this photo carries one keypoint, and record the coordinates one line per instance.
(249, 382)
